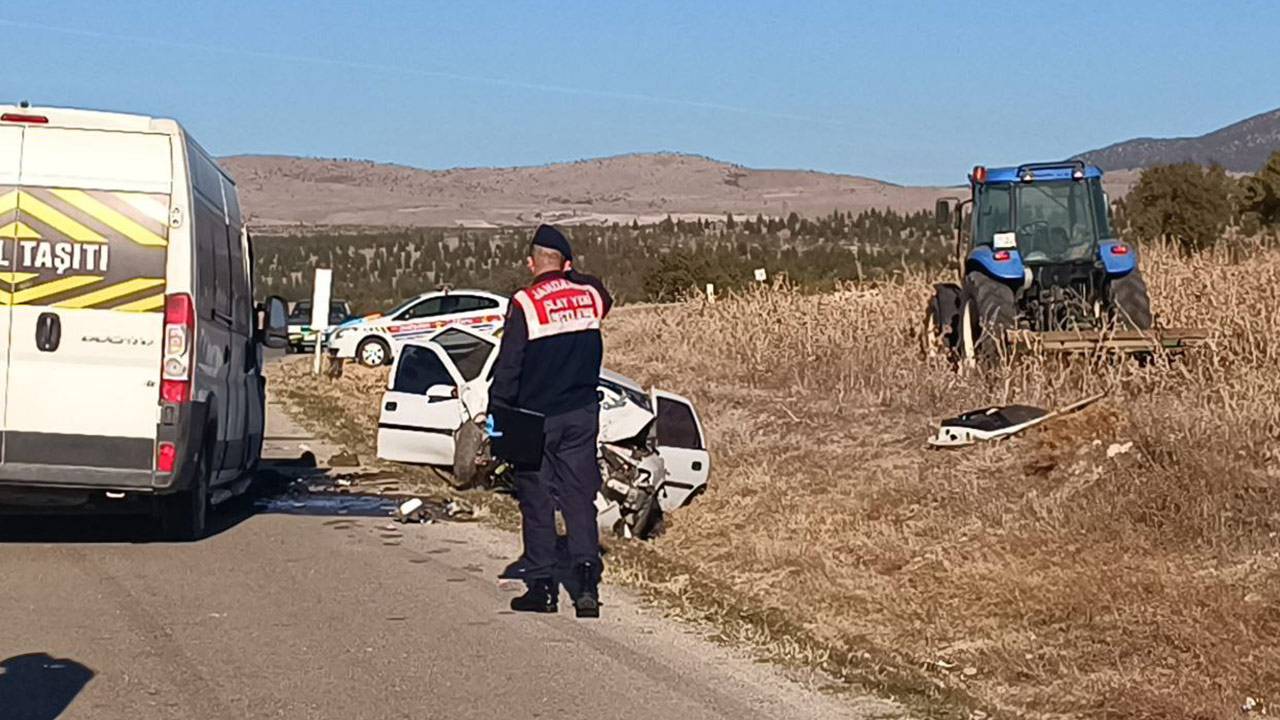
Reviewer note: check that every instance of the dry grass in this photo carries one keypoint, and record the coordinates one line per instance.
(1070, 583)
(1037, 577)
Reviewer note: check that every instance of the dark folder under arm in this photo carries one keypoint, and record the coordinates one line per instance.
(522, 438)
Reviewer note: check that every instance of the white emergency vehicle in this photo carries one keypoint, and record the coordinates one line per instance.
(375, 339)
(130, 346)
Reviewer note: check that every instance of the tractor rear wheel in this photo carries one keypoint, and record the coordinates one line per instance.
(941, 328)
(989, 310)
(1129, 303)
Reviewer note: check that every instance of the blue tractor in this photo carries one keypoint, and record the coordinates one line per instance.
(1040, 266)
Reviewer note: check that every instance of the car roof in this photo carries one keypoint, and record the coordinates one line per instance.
(459, 291)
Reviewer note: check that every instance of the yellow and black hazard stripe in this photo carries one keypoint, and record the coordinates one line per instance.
(70, 248)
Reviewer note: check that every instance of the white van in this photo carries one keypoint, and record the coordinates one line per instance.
(130, 350)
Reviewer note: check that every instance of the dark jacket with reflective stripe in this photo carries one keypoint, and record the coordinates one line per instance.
(549, 359)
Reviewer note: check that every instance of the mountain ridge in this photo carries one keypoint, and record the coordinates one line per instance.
(645, 187)
(1242, 146)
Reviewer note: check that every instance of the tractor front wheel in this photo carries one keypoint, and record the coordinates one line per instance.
(989, 310)
(1129, 303)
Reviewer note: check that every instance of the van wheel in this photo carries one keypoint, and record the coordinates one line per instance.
(373, 352)
(184, 516)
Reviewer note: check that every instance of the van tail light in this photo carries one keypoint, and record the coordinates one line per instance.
(166, 457)
(179, 334)
(24, 118)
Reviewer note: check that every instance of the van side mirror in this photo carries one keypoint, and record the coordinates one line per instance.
(942, 212)
(274, 332)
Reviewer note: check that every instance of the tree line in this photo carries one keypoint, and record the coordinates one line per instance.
(375, 268)
(1198, 207)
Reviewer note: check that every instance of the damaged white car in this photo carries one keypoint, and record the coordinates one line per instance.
(651, 450)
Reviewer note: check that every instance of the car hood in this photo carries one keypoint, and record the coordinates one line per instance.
(622, 381)
(357, 321)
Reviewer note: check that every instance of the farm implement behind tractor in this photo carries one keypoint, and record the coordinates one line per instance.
(1040, 269)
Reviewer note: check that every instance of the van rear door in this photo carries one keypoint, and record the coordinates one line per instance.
(10, 152)
(84, 287)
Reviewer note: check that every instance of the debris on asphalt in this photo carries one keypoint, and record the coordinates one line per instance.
(345, 459)
(460, 511)
(998, 421)
(413, 510)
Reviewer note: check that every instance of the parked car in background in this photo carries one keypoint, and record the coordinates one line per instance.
(301, 337)
(376, 339)
(652, 453)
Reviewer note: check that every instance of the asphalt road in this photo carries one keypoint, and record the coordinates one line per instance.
(315, 610)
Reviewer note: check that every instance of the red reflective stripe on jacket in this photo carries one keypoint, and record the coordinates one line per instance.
(558, 305)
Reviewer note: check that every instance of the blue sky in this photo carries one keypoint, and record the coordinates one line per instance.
(913, 92)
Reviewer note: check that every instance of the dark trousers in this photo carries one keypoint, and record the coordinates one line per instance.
(569, 479)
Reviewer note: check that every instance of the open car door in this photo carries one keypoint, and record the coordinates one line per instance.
(472, 354)
(683, 451)
(421, 408)
(433, 389)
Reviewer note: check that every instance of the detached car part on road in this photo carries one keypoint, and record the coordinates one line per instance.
(375, 339)
(652, 455)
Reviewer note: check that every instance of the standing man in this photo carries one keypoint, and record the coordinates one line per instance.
(549, 362)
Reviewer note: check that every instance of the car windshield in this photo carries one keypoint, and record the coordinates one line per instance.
(397, 309)
(339, 312)
(1055, 221)
(301, 314)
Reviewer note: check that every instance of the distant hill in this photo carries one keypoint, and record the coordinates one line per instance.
(644, 187)
(1240, 147)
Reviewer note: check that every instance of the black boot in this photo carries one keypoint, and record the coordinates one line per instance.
(517, 570)
(543, 596)
(587, 603)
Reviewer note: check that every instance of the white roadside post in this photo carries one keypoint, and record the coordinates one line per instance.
(320, 311)
(761, 275)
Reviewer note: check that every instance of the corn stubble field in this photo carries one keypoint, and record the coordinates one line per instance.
(1063, 573)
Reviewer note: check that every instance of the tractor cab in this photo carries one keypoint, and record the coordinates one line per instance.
(1048, 214)
(1038, 263)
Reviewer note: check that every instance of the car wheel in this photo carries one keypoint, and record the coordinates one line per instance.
(468, 442)
(373, 352)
